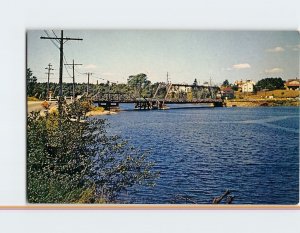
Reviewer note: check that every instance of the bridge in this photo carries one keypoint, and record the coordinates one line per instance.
(165, 94)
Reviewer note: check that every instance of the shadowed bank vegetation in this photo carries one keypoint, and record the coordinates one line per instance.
(71, 160)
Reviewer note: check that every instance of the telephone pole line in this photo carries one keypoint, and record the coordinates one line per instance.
(88, 83)
(49, 68)
(73, 66)
(61, 40)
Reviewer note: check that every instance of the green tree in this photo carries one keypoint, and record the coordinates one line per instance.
(270, 83)
(226, 83)
(70, 160)
(235, 87)
(31, 82)
(139, 83)
(195, 83)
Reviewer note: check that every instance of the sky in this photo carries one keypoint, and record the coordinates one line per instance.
(186, 55)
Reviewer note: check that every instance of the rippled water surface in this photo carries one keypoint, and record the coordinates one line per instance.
(200, 152)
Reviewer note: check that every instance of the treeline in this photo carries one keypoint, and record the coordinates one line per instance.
(137, 84)
(270, 84)
(266, 83)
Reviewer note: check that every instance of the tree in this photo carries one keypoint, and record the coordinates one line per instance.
(195, 83)
(71, 161)
(270, 83)
(31, 82)
(226, 83)
(139, 83)
(235, 87)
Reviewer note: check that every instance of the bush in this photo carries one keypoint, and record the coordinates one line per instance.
(78, 162)
(45, 105)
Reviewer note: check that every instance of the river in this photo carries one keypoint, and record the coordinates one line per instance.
(201, 152)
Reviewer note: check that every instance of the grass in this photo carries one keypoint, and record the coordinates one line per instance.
(264, 94)
(32, 98)
(98, 109)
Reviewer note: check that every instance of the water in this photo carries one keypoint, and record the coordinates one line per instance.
(200, 152)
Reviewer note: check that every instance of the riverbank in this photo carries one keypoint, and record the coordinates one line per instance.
(99, 113)
(88, 114)
(261, 102)
(37, 106)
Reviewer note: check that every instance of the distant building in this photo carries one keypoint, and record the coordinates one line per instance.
(292, 84)
(206, 84)
(177, 88)
(227, 93)
(247, 87)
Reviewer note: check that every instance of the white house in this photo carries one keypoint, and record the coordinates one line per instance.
(247, 86)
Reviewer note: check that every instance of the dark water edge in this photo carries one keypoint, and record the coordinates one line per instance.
(200, 152)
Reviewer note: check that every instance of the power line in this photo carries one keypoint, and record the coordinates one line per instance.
(65, 65)
(73, 66)
(55, 35)
(87, 87)
(49, 68)
(51, 39)
(78, 72)
(61, 50)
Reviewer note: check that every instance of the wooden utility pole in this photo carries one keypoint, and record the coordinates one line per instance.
(168, 78)
(61, 40)
(88, 83)
(73, 66)
(49, 68)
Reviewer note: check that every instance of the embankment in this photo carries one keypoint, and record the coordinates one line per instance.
(261, 102)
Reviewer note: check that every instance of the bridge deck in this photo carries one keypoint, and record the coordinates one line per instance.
(165, 101)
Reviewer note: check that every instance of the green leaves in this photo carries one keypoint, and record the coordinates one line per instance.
(270, 84)
(77, 161)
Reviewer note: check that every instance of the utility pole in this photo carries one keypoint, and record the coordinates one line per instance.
(49, 68)
(88, 83)
(167, 78)
(61, 40)
(73, 66)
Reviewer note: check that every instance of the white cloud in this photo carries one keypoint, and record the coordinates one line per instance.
(296, 48)
(241, 66)
(274, 70)
(90, 66)
(277, 49)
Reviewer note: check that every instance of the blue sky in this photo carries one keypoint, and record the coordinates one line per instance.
(116, 54)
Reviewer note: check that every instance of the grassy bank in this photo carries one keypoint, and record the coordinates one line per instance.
(261, 102)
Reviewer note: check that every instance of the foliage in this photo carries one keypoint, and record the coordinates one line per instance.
(139, 83)
(100, 109)
(195, 83)
(31, 81)
(71, 161)
(270, 84)
(235, 87)
(45, 105)
(226, 83)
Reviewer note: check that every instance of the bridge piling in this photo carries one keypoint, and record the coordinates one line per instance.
(218, 104)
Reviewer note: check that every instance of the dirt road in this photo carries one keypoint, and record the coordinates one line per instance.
(36, 105)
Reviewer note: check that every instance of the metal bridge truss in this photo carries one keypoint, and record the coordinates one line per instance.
(172, 93)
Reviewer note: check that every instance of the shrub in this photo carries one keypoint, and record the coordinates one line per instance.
(45, 105)
(78, 162)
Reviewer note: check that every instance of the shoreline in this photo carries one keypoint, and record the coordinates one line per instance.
(261, 103)
(100, 113)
